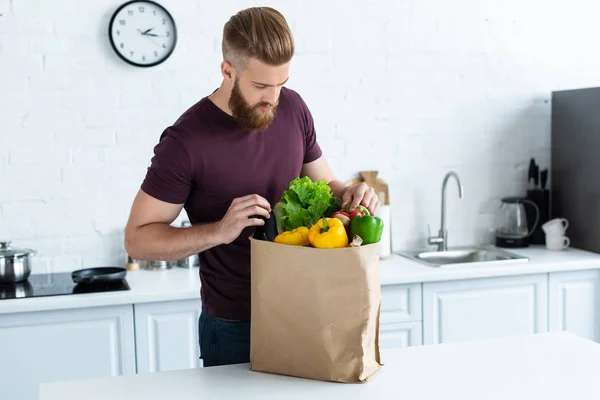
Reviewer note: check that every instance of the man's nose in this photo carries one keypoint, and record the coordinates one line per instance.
(272, 95)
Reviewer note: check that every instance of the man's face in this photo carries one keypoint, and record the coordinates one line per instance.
(255, 94)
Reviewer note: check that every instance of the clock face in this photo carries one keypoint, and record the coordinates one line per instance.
(142, 33)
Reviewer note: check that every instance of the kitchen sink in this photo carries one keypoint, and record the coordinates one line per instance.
(462, 256)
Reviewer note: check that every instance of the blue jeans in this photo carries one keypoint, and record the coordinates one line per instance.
(223, 341)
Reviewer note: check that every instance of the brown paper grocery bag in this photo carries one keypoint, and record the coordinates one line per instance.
(315, 312)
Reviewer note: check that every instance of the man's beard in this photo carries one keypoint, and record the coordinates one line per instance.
(250, 117)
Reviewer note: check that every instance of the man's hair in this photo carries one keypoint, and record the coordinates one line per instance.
(257, 32)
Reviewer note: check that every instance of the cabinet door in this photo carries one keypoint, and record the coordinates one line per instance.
(484, 308)
(64, 345)
(574, 303)
(167, 335)
(401, 303)
(393, 336)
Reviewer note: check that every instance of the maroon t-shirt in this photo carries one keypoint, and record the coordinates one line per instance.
(204, 161)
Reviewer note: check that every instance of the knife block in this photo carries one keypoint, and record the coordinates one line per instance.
(541, 197)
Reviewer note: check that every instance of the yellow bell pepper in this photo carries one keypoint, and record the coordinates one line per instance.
(328, 233)
(296, 237)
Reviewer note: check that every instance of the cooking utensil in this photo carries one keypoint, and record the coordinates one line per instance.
(15, 264)
(98, 275)
(15, 290)
(191, 261)
(156, 265)
(544, 178)
(531, 174)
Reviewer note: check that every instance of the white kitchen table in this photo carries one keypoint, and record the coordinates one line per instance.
(539, 366)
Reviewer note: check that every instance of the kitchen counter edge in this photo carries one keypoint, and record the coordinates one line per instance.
(184, 284)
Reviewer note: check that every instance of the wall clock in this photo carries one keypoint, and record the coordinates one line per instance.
(142, 33)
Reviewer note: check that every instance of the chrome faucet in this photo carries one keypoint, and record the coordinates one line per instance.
(442, 238)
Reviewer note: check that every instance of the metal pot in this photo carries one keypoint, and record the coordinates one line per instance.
(15, 264)
(192, 261)
(158, 265)
(15, 290)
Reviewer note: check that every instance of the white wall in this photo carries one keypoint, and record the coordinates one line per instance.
(411, 88)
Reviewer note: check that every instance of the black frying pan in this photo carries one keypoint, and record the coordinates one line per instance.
(98, 275)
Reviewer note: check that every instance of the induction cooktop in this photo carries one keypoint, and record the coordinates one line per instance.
(55, 284)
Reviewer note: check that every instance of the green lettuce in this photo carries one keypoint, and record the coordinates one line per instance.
(303, 204)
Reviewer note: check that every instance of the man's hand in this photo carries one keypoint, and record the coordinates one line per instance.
(361, 194)
(239, 214)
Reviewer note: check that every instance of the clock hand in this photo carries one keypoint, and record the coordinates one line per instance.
(146, 31)
(153, 41)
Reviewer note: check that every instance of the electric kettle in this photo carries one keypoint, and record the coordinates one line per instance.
(512, 229)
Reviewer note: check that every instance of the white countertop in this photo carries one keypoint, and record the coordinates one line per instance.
(542, 366)
(182, 284)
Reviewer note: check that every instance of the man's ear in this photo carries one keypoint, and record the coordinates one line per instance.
(228, 71)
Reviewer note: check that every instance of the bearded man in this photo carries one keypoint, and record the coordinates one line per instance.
(226, 160)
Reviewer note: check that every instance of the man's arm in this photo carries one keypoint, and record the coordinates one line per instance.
(319, 169)
(359, 194)
(149, 235)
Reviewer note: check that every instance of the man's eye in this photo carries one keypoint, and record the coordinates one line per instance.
(260, 86)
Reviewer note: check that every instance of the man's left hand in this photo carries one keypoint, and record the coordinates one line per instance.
(361, 194)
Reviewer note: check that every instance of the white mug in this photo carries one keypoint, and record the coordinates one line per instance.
(557, 242)
(556, 226)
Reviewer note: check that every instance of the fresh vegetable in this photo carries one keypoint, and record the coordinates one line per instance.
(335, 204)
(279, 213)
(345, 218)
(303, 204)
(296, 237)
(359, 210)
(328, 233)
(267, 231)
(356, 241)
(368, 227)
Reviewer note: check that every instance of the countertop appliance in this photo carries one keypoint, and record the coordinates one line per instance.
(575, 144)
(512, 229)
(56, 284)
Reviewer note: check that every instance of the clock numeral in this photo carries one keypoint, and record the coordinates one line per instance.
(141, 9)
(122, 21)
(156, 54)
(122, 45)
(164, 21)
(130, 12)
(131, 53)
(144, 58)
(118, 33)
(168, 33)
(164, 46)
(154, 12)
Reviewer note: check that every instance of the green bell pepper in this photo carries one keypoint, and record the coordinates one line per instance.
(368, 227)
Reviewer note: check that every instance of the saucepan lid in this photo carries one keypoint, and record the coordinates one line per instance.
(7, 251)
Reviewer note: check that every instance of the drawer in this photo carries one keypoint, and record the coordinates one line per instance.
(401, 303)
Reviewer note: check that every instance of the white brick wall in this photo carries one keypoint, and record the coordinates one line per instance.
(412, 88)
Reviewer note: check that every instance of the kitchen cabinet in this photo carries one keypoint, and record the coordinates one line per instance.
(574, 299)
(484, 308)
(401, 316)
(64, 345)
(166, 335)
(93, 342)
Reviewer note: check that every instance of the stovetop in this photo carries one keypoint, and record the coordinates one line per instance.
(55, 284)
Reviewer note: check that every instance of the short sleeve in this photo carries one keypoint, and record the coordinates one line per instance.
(169, 176)
(312, 150)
